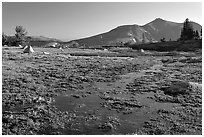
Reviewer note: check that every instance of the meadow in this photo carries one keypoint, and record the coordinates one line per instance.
(101, 92)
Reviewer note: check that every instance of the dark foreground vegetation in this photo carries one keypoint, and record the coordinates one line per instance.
(189, 45)
(78, 91)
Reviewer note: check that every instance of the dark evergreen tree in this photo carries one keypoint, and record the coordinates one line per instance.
(187, 32)
(4, 39)
(201, 33)
(20, 35)
(162, 40)
(196, 35)
(143, 38)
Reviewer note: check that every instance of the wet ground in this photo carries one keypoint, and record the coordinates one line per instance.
(64, 93)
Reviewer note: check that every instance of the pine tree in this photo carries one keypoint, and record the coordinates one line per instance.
(20, 35)
(163, 39)
(196, 35)
(143, 38)
(187, 32)
(4, 39)
(201, 33)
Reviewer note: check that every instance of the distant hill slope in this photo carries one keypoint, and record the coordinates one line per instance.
(151, 32)
(33, 40)
(41, 41)
(132, 33)
(160, 28)
(41, 38)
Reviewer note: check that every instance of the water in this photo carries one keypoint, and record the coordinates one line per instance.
(89, 106)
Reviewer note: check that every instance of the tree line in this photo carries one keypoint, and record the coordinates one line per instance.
(187, 32)
(18, 39)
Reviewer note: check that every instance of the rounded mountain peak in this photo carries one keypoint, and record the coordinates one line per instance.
(158, 20)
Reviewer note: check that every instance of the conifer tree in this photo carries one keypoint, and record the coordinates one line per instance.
(4, 39)
(20, 35)
(201, 33)
(187, 32)
(143, 38)
(196, 35)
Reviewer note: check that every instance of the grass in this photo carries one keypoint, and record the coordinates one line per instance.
(30, 84)
(171, 46)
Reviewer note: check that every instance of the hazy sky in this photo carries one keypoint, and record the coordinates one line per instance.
(76, 20)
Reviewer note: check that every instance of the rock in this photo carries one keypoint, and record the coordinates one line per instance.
(176, 88)
(76, 96)
(46, 53)
(30, 122)
(106, 126)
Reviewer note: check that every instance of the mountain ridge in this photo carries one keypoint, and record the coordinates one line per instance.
(148, 33)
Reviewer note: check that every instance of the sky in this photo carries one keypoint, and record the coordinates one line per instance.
(69, 20)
